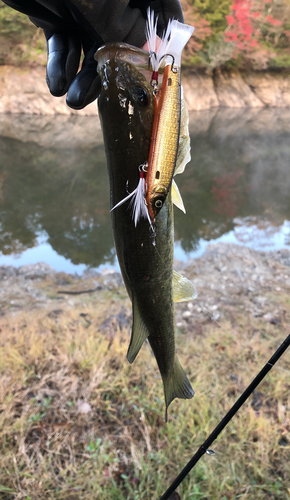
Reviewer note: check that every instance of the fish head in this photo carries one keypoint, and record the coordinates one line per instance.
(126, 90)
(126, 110)
(157, 198)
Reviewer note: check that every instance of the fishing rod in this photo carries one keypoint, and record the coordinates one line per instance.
(204, 448)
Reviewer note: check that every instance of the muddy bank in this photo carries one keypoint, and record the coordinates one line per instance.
(231, 281)
(25, 91)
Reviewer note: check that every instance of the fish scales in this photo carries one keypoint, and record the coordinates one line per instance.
(126, 109)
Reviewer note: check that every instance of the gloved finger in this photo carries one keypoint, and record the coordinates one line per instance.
(86, 86)
(166, 11)
(63, 58)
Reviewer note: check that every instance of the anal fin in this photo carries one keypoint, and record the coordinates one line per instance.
(183, 289)
(139, 333)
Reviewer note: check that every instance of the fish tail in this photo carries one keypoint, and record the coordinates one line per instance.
(176, 385)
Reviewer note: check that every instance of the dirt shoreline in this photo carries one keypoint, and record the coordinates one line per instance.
(79, 418)
(230, 280)
(24, 90)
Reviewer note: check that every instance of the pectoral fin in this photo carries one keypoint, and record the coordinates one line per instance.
(176, 196)
(139, 333)
(183, 289)
(176, 385)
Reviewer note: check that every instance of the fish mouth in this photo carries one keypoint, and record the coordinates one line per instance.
(123, 52)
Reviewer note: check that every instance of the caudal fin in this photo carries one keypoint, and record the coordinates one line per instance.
(176, 385)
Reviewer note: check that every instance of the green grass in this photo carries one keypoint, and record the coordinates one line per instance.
(21, 43)
(280, 61)
(123, 449)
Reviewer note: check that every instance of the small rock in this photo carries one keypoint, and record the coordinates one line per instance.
(56, 312)
(174, 496)
(7, 272)
(83, 407)
(275, 321)
(283, 441)
(257, 400)
(90, 273)
(35, 271)
(272, 318)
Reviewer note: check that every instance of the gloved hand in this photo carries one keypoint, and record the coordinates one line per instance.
(71, 26)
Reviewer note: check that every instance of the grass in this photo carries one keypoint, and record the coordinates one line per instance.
(51, 363)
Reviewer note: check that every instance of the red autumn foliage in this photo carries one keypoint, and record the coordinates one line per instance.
(275, 22)
(241, 29)
(245, 22)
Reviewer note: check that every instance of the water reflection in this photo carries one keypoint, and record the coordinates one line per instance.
(54, 184)
(62, 191)
(240, 167)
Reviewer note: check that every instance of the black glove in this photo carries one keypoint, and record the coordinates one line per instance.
(71, 26)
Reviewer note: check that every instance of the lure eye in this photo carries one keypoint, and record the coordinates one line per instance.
(158, 203)
(141, 96)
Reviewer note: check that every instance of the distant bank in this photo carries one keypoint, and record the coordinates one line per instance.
(24, 91)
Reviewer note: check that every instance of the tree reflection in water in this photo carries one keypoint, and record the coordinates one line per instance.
(239, 168)
(64, 192)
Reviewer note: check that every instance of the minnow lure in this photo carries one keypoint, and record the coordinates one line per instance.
(166, 126)
(155, 176)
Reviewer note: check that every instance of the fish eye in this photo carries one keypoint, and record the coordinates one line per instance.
(158, 203)
(141, 96)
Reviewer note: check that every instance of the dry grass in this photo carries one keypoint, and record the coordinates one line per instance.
(54, 362)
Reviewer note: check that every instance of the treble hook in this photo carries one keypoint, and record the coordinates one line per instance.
(173, 68)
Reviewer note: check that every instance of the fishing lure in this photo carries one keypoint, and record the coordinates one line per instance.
(155, 176)
(166, 126)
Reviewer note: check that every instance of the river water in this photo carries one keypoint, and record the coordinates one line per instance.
(54, 190)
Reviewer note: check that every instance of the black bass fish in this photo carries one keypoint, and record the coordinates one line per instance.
(126, 109)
